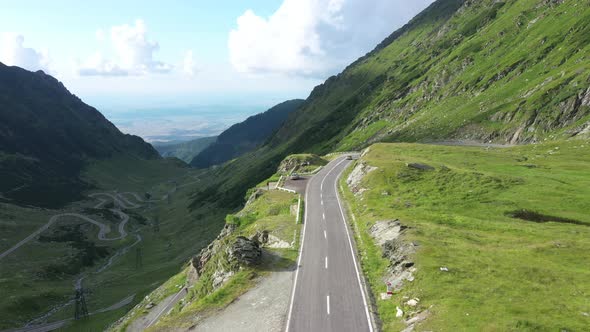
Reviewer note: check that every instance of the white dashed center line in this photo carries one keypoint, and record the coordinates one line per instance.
(328, 304)
(326, 262)
(325, 235)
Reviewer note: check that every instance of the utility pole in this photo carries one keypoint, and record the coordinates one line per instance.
(81, 309)
(138, 258)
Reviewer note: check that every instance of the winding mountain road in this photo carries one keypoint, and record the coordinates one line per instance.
(328, 292)
(103, 228)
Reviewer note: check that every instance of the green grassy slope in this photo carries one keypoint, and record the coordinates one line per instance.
(271, 211)
(41, 274)
(502, 71)
(505, 273)
(184, 151)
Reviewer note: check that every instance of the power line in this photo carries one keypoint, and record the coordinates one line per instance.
(81, 308)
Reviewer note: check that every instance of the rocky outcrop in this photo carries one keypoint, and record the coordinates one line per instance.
(388, 234)
(295, 162)
(197, 263)
(356, 176)
(245, 251)
(220, 277)
(257, 193)
(260, 237)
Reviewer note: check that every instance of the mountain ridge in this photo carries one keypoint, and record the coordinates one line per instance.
(48, 134)
(443, 76)
(245, 136)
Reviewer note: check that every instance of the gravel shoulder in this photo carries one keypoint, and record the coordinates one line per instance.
(263, 308)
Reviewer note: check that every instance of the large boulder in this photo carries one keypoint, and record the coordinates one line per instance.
(245, 251)
(197, 263)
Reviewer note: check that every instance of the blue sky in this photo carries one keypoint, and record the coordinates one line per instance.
(127, 56)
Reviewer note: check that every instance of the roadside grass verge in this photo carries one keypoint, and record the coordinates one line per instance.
(505, 273)
(271, 212)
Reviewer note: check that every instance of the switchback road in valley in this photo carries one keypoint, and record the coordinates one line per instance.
(103, 229)
(328, 292)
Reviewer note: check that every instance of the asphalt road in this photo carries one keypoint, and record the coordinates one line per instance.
(327, 292)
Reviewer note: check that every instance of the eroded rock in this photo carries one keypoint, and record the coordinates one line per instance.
(245, 251)
(356, 176)
(385, 230)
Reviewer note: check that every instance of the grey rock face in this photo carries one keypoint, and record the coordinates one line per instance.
(245, 251)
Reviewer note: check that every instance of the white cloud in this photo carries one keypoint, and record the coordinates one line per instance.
(100, 35)
(14, 53)
(189, 66)
(315, 37)
(134, 54)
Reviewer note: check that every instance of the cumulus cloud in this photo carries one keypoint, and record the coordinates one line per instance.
(189, 66)
(134, 54)
(315, 37)
(14, 53)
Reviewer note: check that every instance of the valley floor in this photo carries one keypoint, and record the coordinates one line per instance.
(116, 245)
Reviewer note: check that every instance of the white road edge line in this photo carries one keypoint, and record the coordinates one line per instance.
(358, 276)
(328, 303)
(301, 246)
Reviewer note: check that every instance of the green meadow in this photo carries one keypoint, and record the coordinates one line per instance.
(512, 225)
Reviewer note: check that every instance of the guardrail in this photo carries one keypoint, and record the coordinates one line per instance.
(298, 210)
(287, 190)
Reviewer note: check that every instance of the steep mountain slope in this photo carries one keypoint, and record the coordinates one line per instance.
(245, 136)
(184, 150)
(501, 71)
(46, 136)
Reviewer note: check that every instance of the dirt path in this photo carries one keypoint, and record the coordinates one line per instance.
(263, 308)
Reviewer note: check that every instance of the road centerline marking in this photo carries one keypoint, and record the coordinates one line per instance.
(302, 245)
(326, 262)
(328, 304)
(325, 235)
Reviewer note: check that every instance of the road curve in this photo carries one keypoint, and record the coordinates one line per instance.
(327, 293)
(103, 229)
